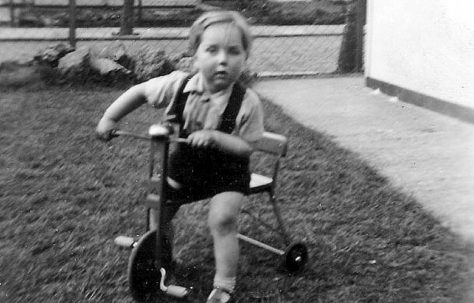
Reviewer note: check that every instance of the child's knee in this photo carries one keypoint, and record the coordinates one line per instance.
(224, 212)
(222, 223)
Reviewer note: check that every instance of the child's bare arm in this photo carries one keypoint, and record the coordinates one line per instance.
(126, 103)
(228, 143)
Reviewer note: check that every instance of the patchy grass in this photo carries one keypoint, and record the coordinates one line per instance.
(64, 196)
(19, 76)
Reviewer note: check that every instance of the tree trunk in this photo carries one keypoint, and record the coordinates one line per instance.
(126, 25)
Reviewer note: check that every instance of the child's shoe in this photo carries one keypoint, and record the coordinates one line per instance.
(219, 295)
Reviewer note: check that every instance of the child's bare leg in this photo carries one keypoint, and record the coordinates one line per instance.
(223, 213)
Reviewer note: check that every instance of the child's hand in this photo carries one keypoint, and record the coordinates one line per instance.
(202, 138)
(104, 129)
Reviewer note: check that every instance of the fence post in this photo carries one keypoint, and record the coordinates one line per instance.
(126, 25)
(140, 12)
(12, 14)
(352, 45)
(346, 61)
(360, 22)
(72, 23)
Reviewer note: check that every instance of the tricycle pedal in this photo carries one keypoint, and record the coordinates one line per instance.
(124, 241)
(152, 201)
(155, 180)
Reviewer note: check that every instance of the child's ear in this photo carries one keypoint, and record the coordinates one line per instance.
(195, 68)
(195, 63)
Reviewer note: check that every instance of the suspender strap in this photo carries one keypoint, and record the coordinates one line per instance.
(227, 124)
(175, 114)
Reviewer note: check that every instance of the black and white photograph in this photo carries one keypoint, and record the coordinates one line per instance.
(237, 151)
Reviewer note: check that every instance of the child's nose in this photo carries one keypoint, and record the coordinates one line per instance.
(222, 56)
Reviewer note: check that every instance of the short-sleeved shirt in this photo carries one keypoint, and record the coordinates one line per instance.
(204, 110)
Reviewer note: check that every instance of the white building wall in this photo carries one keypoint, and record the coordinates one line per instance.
(426, 46)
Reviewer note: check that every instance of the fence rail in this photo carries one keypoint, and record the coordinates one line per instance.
(170, 33)
(61, 4)
(300, 49)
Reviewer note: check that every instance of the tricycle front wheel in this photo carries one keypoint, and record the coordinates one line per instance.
(143, 274)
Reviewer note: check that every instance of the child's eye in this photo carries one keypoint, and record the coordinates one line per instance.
(235, 51)
(211, 49)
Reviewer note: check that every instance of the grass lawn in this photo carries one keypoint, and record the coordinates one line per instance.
(64, 196)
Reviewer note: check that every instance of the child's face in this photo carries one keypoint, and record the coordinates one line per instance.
(220, 56)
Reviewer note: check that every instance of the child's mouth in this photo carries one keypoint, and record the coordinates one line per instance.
(220, 75)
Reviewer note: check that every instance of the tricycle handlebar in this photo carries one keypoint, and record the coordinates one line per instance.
(117, 133)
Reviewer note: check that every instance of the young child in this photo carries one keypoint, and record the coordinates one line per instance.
(220, 119)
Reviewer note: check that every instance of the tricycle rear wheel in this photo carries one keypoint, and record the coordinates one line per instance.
(295, 257)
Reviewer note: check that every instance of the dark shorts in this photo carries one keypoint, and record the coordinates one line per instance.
(204, 173)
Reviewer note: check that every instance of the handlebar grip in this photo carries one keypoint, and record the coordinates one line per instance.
(117, 133)
(160, 131)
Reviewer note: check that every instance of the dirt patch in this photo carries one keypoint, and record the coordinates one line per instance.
(14, 75)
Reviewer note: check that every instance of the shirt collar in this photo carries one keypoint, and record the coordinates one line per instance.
(196, 85)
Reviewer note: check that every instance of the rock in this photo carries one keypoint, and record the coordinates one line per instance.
(113, 51)
(75, 65)
(51, 55)
(117, 52)
(151, 63)
(109, 68)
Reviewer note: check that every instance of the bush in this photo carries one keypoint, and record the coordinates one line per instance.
(259, 11)
(300, 13)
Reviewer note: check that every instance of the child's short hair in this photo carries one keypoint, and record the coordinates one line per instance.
(220, 16)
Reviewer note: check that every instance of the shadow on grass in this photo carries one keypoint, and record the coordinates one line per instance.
(64, 196)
